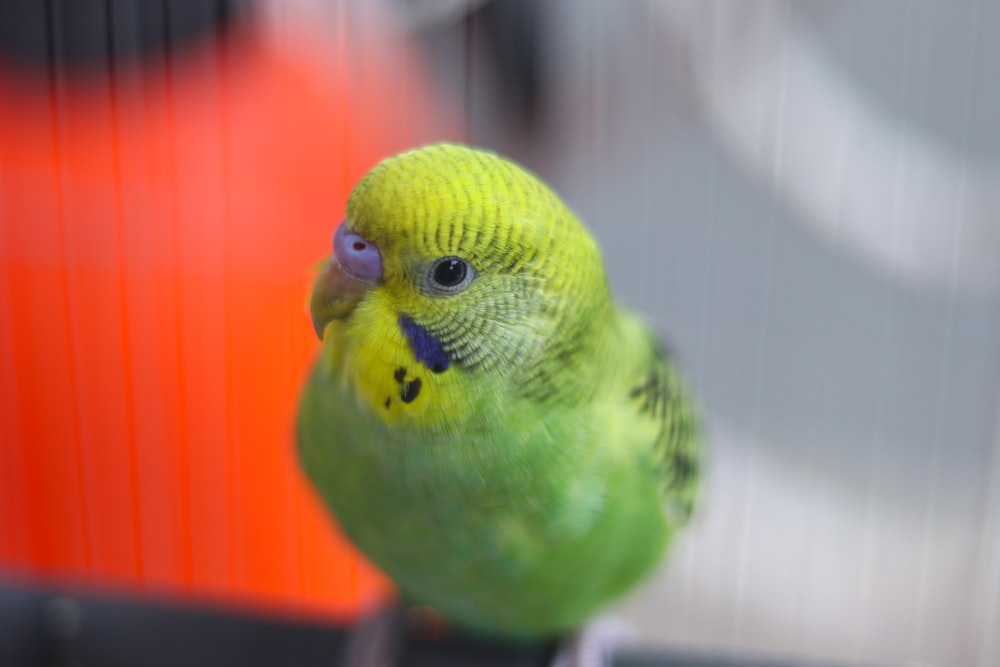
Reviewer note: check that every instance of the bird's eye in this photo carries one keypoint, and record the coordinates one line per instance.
(450, 274)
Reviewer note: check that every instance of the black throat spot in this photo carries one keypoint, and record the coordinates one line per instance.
(410, 390)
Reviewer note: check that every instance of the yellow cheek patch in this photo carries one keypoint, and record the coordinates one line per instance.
(377, 359)
(395, 373)
(388, 380)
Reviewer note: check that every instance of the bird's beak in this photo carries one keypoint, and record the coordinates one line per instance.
(334, 295)
(353, 270)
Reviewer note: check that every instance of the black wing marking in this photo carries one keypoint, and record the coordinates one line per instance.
(662, 397)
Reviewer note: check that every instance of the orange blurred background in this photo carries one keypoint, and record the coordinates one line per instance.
(159, 225)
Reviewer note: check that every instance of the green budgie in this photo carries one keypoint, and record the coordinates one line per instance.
(486, 425)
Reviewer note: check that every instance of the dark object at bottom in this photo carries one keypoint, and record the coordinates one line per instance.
(463, 651)
(44, 627)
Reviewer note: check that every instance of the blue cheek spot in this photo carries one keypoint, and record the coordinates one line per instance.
(426, 348)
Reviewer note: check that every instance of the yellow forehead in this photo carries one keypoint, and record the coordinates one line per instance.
(453, 200)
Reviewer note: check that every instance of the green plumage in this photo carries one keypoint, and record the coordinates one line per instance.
(545, 471)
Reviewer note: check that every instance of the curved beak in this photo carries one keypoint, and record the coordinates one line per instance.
(334, 295)
(354, 268)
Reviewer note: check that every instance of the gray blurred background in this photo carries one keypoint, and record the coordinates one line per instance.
(804, 199)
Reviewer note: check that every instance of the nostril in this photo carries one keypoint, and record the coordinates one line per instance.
(359, 246)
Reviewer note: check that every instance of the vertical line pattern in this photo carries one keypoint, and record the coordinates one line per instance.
(292, 528)
(345, 67)
(898, 196)
(183, 444)
(781, 17)
(592, 108)
(985, 604)
(56, 123)
(645, 203)
(944, 382)
(867, 520)
(11, 457)
(130, 426)
(799, 605)
(987, 648)
(469, 47)
(707, 315)
(888, 326)
(236, 561)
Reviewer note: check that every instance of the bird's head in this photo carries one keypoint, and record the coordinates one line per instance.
(453, 260)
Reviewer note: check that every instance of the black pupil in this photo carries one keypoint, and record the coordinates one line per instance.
(449, 272)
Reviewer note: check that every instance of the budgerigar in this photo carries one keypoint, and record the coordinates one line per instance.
(487, 426)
